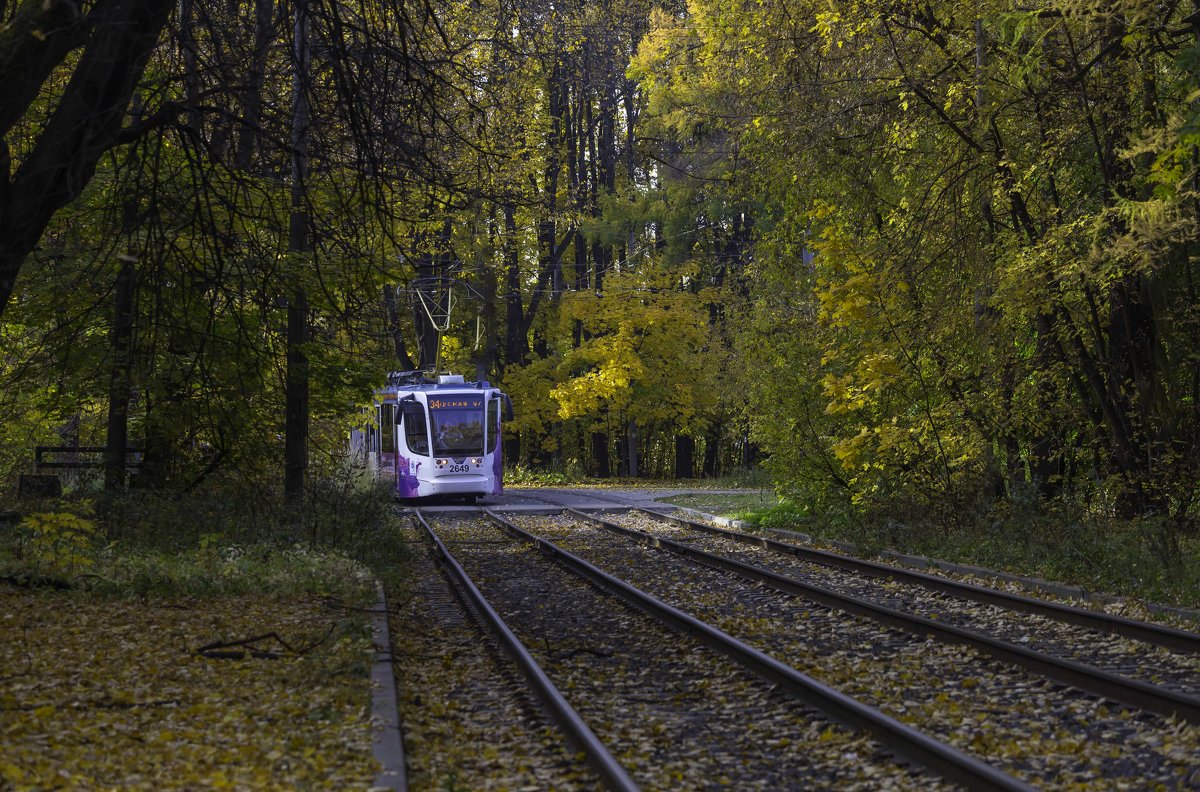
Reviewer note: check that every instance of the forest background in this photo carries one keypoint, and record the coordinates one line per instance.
(932, 265)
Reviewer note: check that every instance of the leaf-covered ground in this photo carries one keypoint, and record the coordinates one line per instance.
(114, 692)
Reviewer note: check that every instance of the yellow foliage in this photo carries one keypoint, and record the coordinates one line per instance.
(648, 355)
(851, 451)
(61, 542)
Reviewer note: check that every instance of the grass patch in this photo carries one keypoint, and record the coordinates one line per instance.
(739, 479)
(215, 569)
(735, 506)
(742, 478)
(1136, 558)
(518, 476)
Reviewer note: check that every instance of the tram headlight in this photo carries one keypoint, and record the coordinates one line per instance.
(441, 462)
(476, 460)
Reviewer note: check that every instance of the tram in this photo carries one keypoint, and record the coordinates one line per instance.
(439, 437)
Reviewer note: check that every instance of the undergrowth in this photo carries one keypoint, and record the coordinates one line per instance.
(230, 538)
(1141, 557)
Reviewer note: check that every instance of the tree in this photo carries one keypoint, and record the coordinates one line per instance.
(195, 194)
(44, 170)
(998, 203)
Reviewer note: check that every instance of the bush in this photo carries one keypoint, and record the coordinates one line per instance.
(228, 538)
(57, 543)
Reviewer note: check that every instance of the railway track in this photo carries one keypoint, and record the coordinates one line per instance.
(469, 720)
(1024, 729)
(1098, 620)
(1136, 672)
(674, 713)
(1045, 733)
(821, 566)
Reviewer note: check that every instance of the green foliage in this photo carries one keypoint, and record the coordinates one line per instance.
(195, 204)
(530, 386)
(928, 259)
(642, 351)
(782, 517)
(648, 355)
(726, 504)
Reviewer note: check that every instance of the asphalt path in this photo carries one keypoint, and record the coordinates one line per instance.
(543, 500)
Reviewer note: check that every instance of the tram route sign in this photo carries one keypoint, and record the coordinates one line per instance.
(456, 402)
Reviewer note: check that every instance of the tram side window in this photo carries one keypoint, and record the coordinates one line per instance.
(387, 428)
(416, 432)
(493, 412)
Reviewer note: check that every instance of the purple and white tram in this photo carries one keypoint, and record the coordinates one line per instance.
(440, 437)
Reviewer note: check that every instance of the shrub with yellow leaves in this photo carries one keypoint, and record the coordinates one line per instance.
(60, 542)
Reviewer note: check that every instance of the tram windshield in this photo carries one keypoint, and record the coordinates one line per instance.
(457, 425)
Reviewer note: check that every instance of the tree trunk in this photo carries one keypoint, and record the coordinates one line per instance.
(191, 77)
(486, 331)
(252, 101)
(685, 456)
(117, 444)
(296, 400)
(601, 467)
(513, 449)
(515, 341)
(296, 397)
(399, 348)
(712, 452)
(156, 449)
(631, 448)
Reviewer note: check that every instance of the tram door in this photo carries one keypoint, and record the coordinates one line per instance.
(493, 445)
(387, 440)
(416, 431)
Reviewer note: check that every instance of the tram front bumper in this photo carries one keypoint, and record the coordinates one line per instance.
(455, 484)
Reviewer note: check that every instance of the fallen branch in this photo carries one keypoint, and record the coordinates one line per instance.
(338, 604)
(228, 650)
(88, 576)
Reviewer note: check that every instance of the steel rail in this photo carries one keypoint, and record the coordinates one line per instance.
(943, 759)
(1132, 692)
(611, 773)
(1160, 635)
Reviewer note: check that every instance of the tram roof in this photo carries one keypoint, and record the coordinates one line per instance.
(418, 382)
